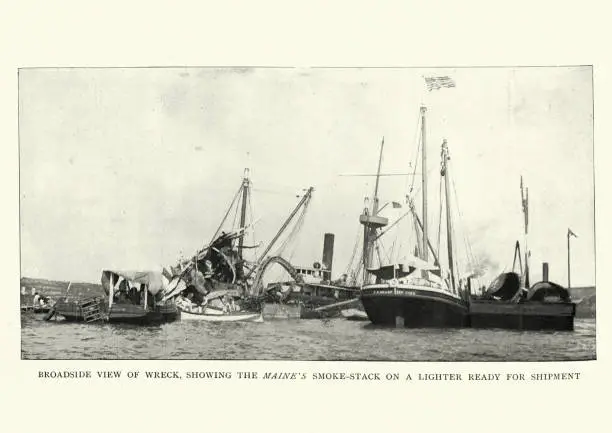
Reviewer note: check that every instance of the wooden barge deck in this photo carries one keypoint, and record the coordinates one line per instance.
(522, 316)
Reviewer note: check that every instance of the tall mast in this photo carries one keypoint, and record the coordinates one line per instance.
(371, 231)
(424, 180)
(569, 280)
(420, 225)
(525, 206)
(371, 221)
(375, 201)
(245, 193)
(449, 226)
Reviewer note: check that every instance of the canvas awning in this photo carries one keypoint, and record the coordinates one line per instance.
(399, 270)
(391, 271)
(153, 280)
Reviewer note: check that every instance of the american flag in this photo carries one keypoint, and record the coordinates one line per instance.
(435, 83)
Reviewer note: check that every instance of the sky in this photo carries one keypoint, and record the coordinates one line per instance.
(132, 168)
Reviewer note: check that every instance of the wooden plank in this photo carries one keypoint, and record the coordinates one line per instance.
(337, 304)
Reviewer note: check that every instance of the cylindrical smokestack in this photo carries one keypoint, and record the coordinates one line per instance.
(545, 271)
(328, 252)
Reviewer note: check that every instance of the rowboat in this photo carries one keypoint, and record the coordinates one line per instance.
(209, 316)
(354, 314)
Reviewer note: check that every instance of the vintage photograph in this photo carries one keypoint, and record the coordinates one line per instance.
(307, 214)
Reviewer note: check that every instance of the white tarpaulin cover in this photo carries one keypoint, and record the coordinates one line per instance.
(153, 280)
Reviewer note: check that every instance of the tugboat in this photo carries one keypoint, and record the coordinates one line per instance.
(311, 293)
(414, 292)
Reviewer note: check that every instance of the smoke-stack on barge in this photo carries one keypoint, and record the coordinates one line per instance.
(511, 303)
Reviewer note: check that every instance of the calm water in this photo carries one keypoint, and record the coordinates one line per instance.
(335, 339)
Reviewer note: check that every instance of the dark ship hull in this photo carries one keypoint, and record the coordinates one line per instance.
(136, 314)
(73, 311)
(545, 306)
(531, 316)
(414, 308)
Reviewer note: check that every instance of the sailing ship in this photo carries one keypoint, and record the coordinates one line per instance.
(413, 292)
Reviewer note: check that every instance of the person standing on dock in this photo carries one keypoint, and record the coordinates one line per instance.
(36, 300)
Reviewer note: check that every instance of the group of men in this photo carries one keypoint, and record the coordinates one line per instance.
(39, 301)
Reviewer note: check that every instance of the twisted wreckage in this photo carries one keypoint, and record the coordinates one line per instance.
(216, 284)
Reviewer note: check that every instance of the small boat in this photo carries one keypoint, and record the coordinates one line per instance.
(208, 316)
(354, 314)
(219, 306)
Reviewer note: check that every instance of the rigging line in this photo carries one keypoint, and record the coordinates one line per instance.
(355, 249)
(452, 228)
(417, 139)
(419, 187)
(292, 233)
(470, 254)
(387, 254)
(418, 190)
(390, 255)
(392, 225)
(358, 264)
(356, 244)
(236, 215)
(226, 214)
(296, 227)
(440, 216)
(253, 237)
(296, 230)
(423, 169)
(418, 237)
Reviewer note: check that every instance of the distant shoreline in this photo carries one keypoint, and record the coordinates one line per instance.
(58, 288)
(584, 296)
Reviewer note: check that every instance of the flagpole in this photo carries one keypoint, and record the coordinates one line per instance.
(568, 260)
(424, 180)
